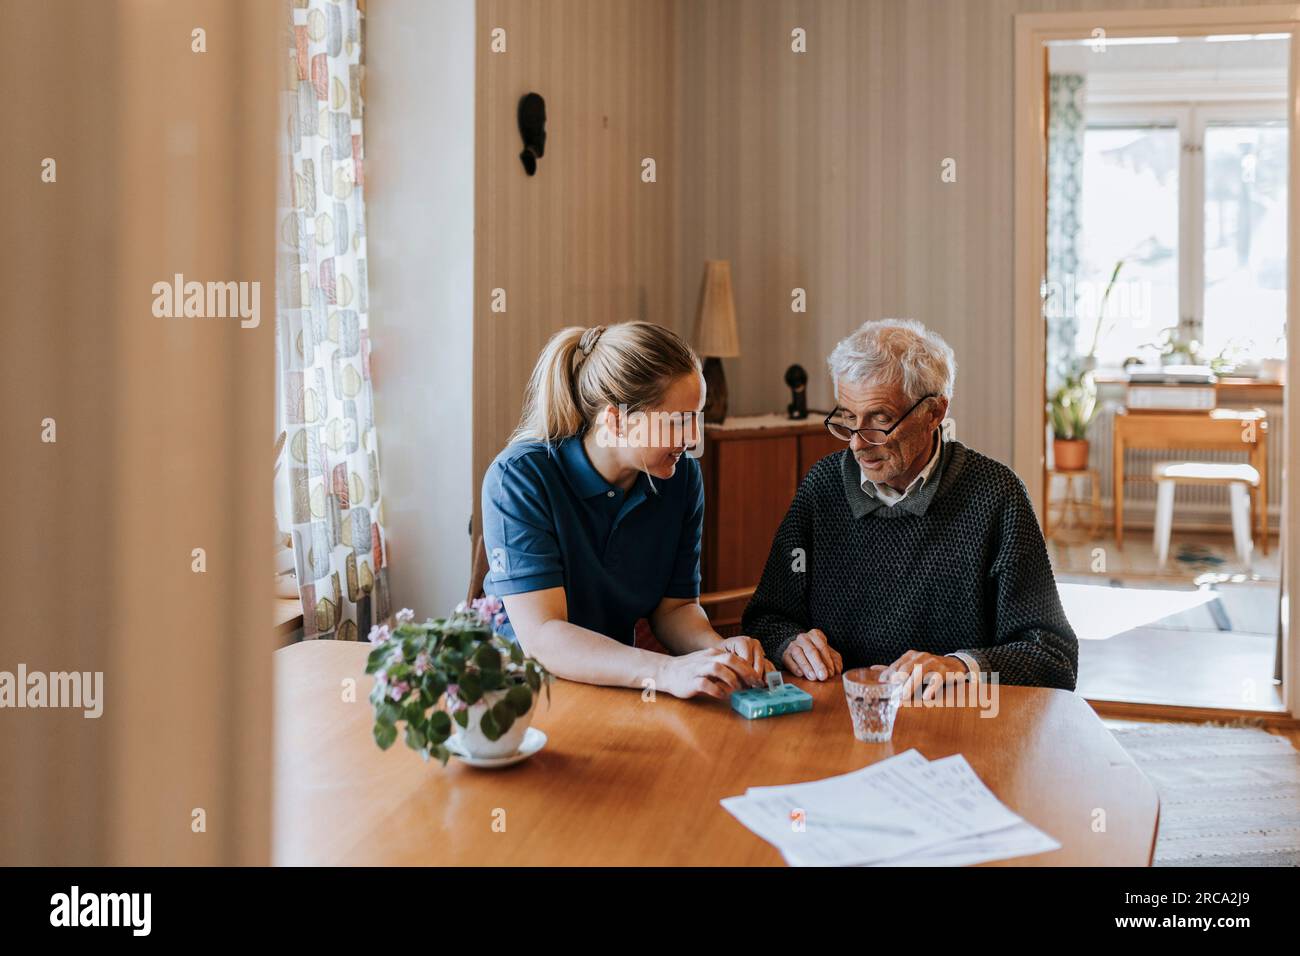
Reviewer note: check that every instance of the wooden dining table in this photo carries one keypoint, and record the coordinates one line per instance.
(629, 780)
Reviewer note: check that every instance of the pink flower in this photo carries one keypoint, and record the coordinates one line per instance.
(488, 606)
(405, 616)
(379, 633)
(399, 690)
(499, 619)
(421, 662)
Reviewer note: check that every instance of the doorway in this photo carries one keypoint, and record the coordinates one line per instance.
(1154, 243)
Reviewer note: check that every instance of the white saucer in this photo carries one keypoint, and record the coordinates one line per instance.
(534, 740)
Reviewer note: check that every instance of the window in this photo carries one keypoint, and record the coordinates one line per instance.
(1245, 238)
(1129, 212)
(1192, 198)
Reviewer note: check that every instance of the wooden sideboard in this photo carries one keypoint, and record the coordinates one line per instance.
(752, 466)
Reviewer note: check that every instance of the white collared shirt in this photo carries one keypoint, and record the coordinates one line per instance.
(889, 497)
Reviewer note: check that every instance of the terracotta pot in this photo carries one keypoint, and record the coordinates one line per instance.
(1070, 454)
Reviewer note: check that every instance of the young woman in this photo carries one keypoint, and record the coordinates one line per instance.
(592, 517)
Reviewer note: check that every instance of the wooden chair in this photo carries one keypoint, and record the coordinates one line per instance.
(723, 607)
(1238, 479)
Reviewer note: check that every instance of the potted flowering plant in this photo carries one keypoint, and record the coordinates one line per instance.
(454, 675)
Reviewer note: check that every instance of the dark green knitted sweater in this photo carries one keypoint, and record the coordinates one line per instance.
(959, 565)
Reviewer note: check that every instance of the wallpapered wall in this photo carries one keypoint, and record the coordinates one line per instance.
(819, 171)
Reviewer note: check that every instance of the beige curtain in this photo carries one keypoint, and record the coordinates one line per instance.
(165, 164)
(327, 408)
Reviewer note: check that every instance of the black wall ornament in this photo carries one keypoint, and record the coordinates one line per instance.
(797, 379)
(532, 127)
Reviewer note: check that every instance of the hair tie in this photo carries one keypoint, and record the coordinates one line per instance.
(589, 339)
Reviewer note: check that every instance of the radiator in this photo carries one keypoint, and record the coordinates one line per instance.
(1193, 504)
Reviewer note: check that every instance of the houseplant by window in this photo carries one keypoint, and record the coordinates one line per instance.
(453, 675)
(1072, 408)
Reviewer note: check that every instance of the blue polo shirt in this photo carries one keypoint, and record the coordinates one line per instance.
(550, 520)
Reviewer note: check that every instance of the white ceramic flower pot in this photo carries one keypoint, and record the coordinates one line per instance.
(474, 743)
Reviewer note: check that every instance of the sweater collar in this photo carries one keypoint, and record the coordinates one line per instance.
(862, 504)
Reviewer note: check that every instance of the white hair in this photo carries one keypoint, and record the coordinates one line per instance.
(896, 352)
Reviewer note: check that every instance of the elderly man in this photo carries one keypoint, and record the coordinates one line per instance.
(909, 552)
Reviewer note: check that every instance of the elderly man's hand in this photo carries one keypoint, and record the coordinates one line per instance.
(919, 664)
(810, 655)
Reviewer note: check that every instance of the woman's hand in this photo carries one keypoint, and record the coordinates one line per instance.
(751, 651)
(810, 655)
(712, 672)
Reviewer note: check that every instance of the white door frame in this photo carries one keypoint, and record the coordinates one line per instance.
(1030, 221)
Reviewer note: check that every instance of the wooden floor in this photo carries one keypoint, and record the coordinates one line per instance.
(1191, 554)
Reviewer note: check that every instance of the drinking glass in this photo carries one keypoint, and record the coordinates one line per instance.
(873, 703)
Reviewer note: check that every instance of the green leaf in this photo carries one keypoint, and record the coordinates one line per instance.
(470, 688)
(441, 752)
(520, 698)
(488, 724)
(375, 658)
(462, 717)
(385, 734)
(415, 738)
(533, 677)
(387, 713)
(503, 714)
(488, 658)
(492, 680)
(439, 726)
(435, 688)
(516, 653)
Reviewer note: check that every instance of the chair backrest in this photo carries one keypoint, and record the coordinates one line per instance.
(478, 569)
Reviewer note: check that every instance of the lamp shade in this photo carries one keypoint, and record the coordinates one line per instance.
(715, 323)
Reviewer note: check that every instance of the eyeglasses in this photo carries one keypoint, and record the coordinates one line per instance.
(872, 436)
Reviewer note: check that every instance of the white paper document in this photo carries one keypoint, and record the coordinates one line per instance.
(902, 811)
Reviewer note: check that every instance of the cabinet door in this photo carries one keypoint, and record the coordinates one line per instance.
(814, 447)
(750, 484)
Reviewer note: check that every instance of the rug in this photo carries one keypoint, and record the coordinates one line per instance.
(1229, 795)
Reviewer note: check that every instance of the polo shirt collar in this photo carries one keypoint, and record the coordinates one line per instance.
(582, 474)
(587, 482)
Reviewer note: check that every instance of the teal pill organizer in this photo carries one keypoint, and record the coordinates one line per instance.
(772, 701)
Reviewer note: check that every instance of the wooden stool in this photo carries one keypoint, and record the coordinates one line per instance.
(1238, 479)
(1071, 505)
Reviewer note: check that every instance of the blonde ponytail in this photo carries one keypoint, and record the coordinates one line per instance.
(580, 371)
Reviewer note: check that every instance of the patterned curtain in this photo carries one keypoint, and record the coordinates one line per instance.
(1065, 128)
(331, 456)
